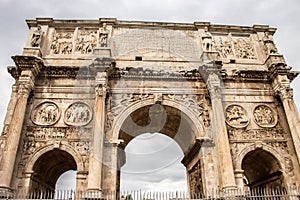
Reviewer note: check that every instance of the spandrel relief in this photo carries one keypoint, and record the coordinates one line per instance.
(46, 113)
(78, 114)
(264, 116)
(62, 43)
(236, 116)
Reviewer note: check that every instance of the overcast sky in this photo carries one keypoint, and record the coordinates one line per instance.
(282, 14)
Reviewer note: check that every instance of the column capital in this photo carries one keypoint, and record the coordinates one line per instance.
(101, 90)
(285, 92)
(212, 75)
(25, 89)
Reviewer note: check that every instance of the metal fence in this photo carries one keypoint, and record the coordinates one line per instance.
(254, 194)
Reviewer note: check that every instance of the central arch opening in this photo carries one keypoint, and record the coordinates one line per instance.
(155, 138)
(153, 162)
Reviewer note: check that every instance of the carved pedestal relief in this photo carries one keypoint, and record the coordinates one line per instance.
(46, 113)
(230, 47)
(78, 114)
(236, 116)
(195, 180)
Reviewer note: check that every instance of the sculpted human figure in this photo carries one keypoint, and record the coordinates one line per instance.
(206, 40)
(36, 37)
(103, 35)
(269, 44)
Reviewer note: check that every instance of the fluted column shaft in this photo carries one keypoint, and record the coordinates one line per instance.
(96, 161)
(219, 132)
(289, 106)
(26, 83)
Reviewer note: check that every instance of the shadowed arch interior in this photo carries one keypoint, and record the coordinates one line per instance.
(49, 167)
(159, 118)
(262, 169)
(156, 118)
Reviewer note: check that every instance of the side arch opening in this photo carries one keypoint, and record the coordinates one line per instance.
(262, 171)
(48, 168)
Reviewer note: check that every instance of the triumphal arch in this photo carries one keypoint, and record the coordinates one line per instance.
(85, 88)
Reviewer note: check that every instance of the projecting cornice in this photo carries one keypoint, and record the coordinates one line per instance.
(136, 24)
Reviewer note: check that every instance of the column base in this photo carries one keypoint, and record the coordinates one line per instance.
(6, 193)
(94, 194)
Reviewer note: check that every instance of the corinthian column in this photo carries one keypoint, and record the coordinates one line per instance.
(281, 76)
(95, 166)
(292, 116)
(218, 126)
(29, 67)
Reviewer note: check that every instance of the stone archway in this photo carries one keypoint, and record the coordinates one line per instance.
(262, 170)
(166, 117)
(48, 163)
(49, 167)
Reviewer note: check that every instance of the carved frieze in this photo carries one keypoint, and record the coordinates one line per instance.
(86, 41)
(236, 116)
(264, 116)
(57, 132)
(78, 114)
(233, 47)
(223, 46)
(244, 48)
(62, 43)
(256, 135)
(46, 113)
(137, 73)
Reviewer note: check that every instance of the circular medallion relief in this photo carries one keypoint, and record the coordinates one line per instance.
(264, 116)
(46, 113)
(78, 114)
(236, 116)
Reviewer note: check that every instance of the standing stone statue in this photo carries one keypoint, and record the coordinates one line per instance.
(36, 37)
(103, 35)
(206, 40)
(269, 44)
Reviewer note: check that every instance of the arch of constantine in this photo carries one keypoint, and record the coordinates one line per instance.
(85, 88)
